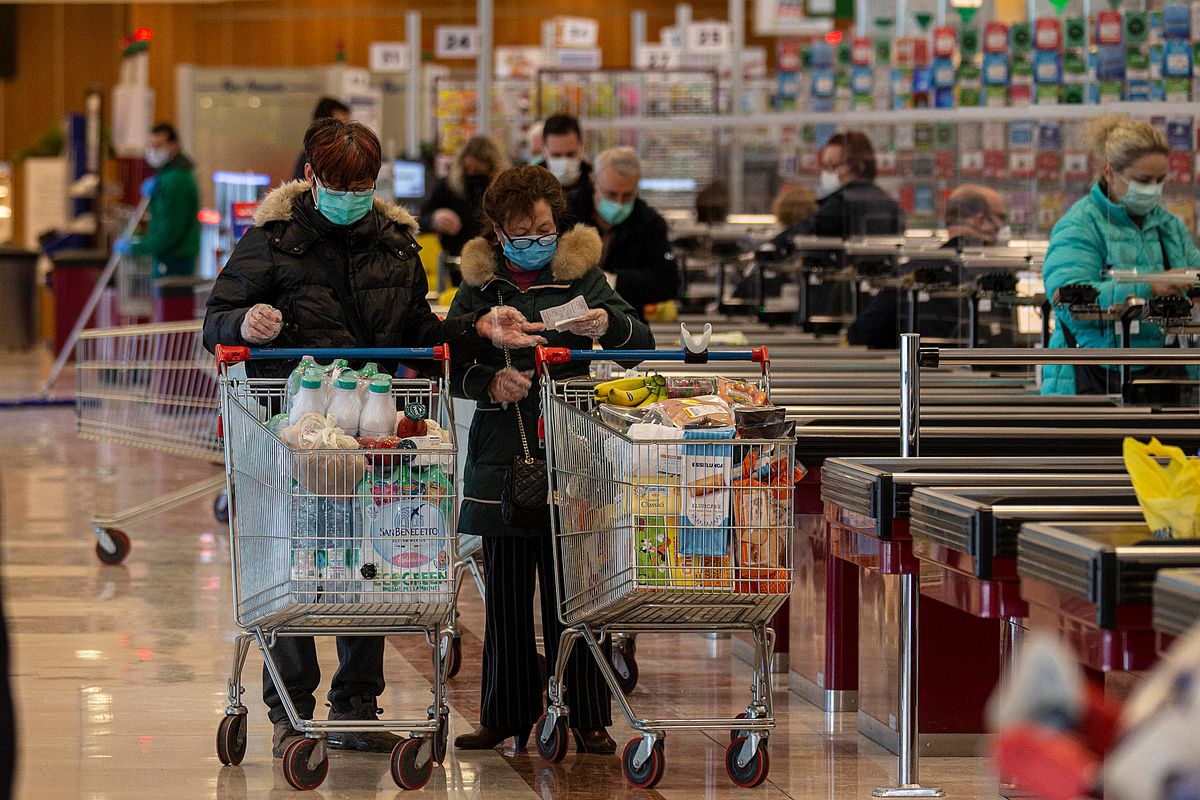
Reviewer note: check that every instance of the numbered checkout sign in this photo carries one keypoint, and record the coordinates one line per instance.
(708, 37)
(457, 41)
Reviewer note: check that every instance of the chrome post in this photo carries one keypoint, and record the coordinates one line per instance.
(910, 395)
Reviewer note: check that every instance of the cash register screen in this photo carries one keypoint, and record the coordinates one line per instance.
(408, 180)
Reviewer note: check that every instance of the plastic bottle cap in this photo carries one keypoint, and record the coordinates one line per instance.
(370, 370)
(341, 362)
(415, 411)
(381, 384)
(347, 380)
(311, 380)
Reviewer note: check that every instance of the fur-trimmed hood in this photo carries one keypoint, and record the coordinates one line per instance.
(579, 251)
(277, 207)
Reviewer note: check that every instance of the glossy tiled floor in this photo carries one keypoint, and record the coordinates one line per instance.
(120, 671)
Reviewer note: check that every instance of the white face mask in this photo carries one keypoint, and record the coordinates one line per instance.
(565, 169)
(1004, 235)
(157, 157)
(828, 183)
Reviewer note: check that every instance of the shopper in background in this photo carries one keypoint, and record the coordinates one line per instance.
(794, 204)
(976, 216)
(454, 209)
(562, 149)
(533, 142)
(330, 265)
(172, 238)
(637, 259)
(791, 206)
(327, 108)
(1119, 225)
(528, 261)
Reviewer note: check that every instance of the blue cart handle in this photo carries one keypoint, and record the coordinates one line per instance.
(561, 355)
(235, 355)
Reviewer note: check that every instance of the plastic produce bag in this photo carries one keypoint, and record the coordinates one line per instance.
(324, 472)
(1170, 495)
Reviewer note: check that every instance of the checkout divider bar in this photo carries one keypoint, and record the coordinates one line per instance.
(914, 358)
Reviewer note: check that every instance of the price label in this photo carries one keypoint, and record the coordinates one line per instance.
(708, 37)
(389, 57)
(457, 41)
(575, 32)
(658, 57)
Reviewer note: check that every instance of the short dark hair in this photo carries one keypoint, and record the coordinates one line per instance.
(514, 193)
(965, 203)
(328, 106)
(167, 130)
(858, 152)
(342, 153)
(561, 125)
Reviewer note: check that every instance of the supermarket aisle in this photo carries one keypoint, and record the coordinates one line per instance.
(120, 672)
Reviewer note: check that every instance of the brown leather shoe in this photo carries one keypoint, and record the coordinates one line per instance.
(485, 738)
(595, 741)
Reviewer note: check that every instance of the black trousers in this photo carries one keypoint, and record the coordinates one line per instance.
(512, 682)
(360, 671)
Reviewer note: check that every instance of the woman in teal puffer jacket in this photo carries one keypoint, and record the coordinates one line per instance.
(1119, 225)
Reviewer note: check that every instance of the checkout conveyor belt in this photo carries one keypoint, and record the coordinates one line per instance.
(1176, 601)
(1106, 564)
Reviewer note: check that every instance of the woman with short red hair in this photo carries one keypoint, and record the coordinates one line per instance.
(328, 264)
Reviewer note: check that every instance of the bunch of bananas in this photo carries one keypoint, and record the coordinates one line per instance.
(633, 392)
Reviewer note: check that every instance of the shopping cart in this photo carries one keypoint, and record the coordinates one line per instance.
(632, 521)
(338, 542)
(150, 387)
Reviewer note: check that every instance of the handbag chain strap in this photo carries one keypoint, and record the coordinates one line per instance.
(517, 405)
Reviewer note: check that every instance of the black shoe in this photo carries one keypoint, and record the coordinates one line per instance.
(361, 708)
(485, 738)
(595, 741)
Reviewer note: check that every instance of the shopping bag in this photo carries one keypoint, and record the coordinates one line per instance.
(1169, 495)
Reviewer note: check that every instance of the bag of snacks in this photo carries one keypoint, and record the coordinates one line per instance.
(763, 504)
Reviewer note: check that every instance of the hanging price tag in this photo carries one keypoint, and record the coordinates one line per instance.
(389, 57)
(457, 41)
(708, 37)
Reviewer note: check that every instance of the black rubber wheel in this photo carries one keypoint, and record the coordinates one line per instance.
(231, 740)
(626, 667)
(221, 508)
(295, 766)
(734, 735)
(454, 657)
(441, 738)
(553, 750)
(651, 772)
(756, 769)
(405, 771)
(122, 547)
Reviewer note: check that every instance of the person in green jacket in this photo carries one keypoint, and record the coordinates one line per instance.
(173, 236)
(1119, 225)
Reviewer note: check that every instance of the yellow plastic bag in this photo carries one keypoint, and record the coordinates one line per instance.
(1170, 495)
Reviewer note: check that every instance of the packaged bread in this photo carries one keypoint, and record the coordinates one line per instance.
(708, 411)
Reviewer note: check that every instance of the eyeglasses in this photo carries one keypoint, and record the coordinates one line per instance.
(344, 192)
(526, 242)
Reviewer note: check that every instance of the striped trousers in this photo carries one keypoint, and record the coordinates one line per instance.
(512, 681)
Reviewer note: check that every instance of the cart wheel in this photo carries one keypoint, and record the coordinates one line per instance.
(625, 665)
(231, 740)
(650, 773)
(756, 769)
(627, 644)
(121, 544)
(221, 507)
(441, 737)
(405, 771)
(735, 734)
(295, 766)
(453, 657)
(555, 749)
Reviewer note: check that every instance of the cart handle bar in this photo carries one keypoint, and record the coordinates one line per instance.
(235, 355)
(561, 355)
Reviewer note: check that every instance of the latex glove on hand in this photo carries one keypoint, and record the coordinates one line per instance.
(510, 386)
(505, 326)
(123, 246)
(148, 186)
(261, 324)
(593, 324)
(447, 222)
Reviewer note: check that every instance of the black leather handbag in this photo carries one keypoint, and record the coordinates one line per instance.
(524, 501)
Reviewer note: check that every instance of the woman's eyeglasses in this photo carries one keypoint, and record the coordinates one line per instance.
(344, 192)
(526, 242)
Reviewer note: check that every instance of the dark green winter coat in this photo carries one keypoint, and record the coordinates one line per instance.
(173, 238)
(494, 439)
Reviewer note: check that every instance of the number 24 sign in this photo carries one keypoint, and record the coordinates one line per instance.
(457, 41)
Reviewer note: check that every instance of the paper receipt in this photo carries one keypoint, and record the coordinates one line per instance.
(559, 317)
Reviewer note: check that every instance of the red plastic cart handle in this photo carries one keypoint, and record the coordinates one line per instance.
(760, 355)
(550, 355)
(231, 354)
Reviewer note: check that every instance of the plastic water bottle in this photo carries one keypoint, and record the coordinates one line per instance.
(293, 384)
(345, 406)
(379, 413)
(310, 398)
(369, 371)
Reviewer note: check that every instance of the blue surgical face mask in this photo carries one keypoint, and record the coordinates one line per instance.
(614, 213)
(343, 208)
(1141, 198)
(533, 257)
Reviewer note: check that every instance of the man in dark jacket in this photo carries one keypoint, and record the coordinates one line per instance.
(562, 153)
(638, 259)
(173, 236)
(330, 265)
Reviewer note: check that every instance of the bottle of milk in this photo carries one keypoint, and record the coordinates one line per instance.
(297, 375)
(369, 371)
(309, 399)
(332, 372)
(345, 406)
(379, 413)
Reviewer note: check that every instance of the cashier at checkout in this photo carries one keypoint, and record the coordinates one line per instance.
(1119, 225)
